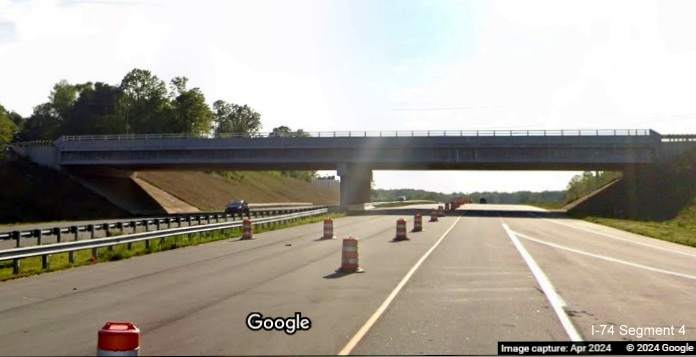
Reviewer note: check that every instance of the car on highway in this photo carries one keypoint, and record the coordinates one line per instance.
(240, 207)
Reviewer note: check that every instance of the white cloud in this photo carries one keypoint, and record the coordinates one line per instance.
(551, 64)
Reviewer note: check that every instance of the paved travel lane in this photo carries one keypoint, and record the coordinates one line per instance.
(613, 278)
(473, 291)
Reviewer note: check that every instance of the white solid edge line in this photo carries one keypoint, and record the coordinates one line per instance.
(556, 301)
(615, 237)
(371, 321)
(603, 257)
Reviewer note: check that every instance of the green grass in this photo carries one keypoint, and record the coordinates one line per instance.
(549, 205)
(33, 266)
(681, 229)
(667, 231)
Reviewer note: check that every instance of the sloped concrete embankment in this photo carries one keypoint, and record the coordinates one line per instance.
(127, 191)
(656, 193)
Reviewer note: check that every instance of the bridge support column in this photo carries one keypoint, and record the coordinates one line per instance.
(356, 183)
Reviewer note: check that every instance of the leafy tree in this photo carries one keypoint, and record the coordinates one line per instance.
(190, 112)
(235, 119)
(95, 112)
(8, 128)
(63, 97)
(47, 120)
(16, 118)
(144, 103)
(41, 125)
(581, 185)
(281, 131)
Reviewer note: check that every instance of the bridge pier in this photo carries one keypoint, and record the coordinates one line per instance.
(356, 183)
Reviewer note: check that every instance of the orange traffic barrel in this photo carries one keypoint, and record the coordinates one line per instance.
(349, 257)
(328, 229)
(441, 211)
(401, 230)
(433, 215)
(118, 339)
(417, 223)
(246, 229)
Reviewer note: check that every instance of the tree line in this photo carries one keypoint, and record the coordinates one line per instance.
(587, 182)
(141, 103)
(578, 186)
(519, 197)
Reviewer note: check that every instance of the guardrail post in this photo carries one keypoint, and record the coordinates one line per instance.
(71, 255)
(58, 232)
(45, 261)
(105, 227)
(148, 242)
(16, 235)
(92, 232)
(130, 244)
(44, 258)
(146, 223)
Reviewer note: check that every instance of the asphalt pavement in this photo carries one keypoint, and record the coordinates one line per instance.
(480, 275)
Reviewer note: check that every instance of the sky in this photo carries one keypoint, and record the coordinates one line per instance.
(339, 65)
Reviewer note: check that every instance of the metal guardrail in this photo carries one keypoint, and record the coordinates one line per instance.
(679, 138)
(132, 223)
(36, 143)
(16, 254)
(336, 134)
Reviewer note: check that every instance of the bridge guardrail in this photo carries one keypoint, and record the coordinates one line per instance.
(17, 254)
(145, 222)
(679, 138)
(34, 143)
(334, 134)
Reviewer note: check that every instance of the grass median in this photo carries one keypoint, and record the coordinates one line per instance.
(676, 231)
(33, 266)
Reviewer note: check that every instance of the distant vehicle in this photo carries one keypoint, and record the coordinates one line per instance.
(483, 200)
(240, 207)
(401, 198)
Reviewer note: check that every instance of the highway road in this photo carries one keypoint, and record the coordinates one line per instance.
(482, 274)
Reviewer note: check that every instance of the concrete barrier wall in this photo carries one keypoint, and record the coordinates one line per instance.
(42, 155)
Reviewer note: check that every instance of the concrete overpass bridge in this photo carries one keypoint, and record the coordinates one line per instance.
(354, 155)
